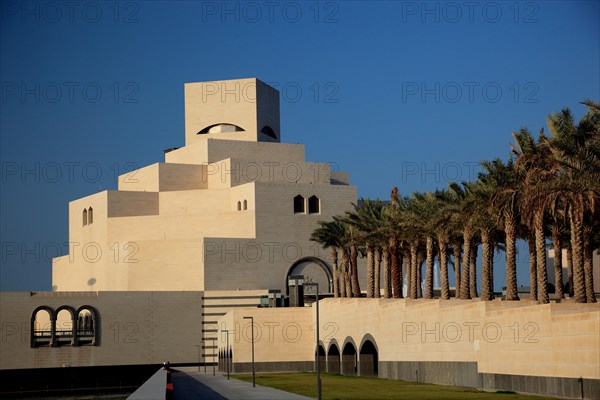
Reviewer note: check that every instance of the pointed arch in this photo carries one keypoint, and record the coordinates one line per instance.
(368, 356)
(333, 357)
(299, 204)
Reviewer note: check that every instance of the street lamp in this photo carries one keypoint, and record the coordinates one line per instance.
(253, 370)
(319, 392)
(228, 353)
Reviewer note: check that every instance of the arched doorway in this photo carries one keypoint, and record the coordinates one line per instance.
(349, 365)
(321, 358)
(333, 359)
(368, 358)
(314, 270)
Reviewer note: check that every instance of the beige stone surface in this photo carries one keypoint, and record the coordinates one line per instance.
(515, 338)
(217, 215)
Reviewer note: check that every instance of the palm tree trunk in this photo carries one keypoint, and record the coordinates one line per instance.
(396, 276)
(473, 271)
(532, 267)
(443, 256)
(486, 293)
(510, 229)
(420, 275)
(344, 287)
(370, 270)
(588, 260)
(336, 273)
(464, 276)
(577, 248)
(413, 269)
(491, 267)
(377, 283)
(456, 250)
(354, 271)
(386, 273)
(570, 270)
(348, 278)
(409, 271)
(429, 269)
(389, 277)
(540, 252)
(400, 261)
(558, 268)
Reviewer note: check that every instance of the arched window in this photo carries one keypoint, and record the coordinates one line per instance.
(85, 217)
(298, 204)
(239, 205)
(87, 321)
(64, 329)
(245, 204)
(90, 215)
(219, 128)
(313, 205)
(42, 326)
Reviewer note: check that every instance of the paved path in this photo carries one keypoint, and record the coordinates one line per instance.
(191, 384)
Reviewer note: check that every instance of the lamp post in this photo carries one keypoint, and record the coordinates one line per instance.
(319, 392)
(203, 354)
(198, 346)
(228, 353)
(253, 370)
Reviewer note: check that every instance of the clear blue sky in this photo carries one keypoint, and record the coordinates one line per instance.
(407, 94)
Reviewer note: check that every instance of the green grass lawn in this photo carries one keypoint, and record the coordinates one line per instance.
(337, 387)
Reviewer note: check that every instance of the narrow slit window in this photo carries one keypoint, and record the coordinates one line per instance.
(90, 215)
(239, 206)
(85, 217)
(245, 205)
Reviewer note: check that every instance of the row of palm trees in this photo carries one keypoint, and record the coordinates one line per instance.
(548, 189)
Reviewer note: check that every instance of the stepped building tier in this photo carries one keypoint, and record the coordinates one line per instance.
(231, 210)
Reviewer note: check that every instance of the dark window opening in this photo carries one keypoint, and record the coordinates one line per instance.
(298, 204)
(313, 205)
(219, 128)
(267, 130)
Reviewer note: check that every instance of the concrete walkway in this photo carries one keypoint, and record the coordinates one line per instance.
(189, 383)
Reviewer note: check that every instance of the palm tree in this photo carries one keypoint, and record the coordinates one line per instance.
(505, 201)
(486, 220)
(539, 173)
(576, 149)
(464, 211)
(442, 219)
(332, 235)
(395, 256)
(426, 206)
(367, 219)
